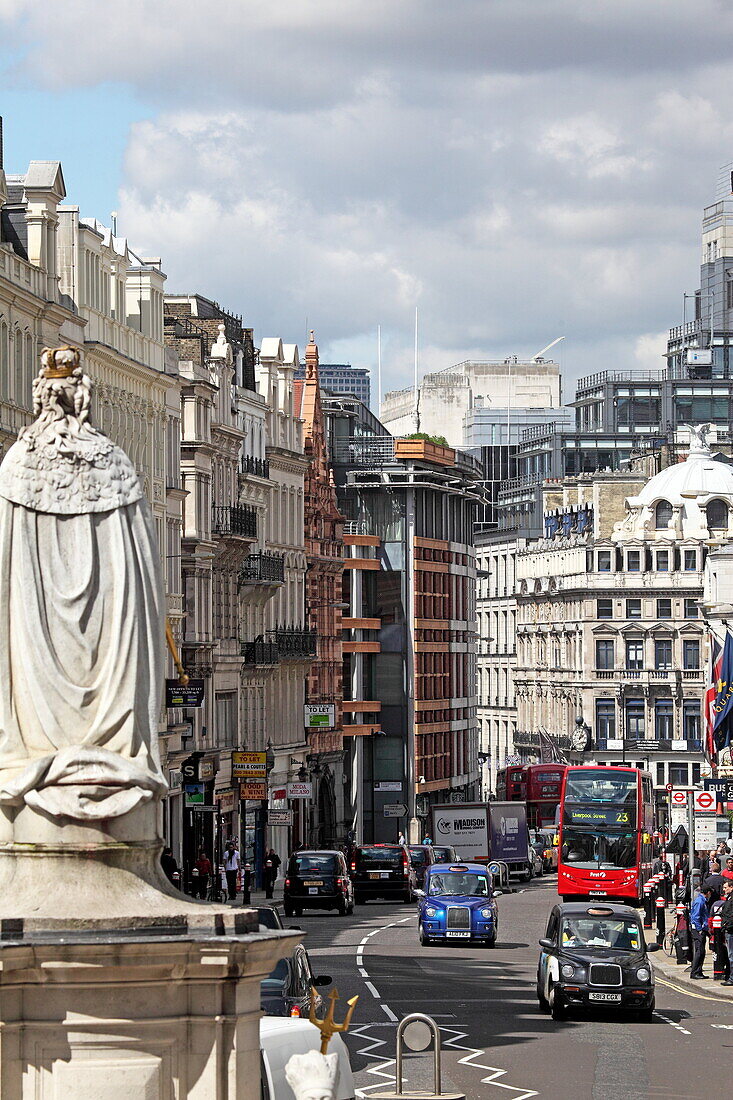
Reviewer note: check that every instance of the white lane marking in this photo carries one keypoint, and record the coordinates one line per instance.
(723, 1027)
(676, 1026)
(363, 972)
(389, 1013)
(470, 1060)
(374, 992)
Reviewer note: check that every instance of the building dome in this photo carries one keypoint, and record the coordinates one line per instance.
(690, 500)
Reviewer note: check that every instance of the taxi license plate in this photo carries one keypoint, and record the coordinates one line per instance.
(615, 998)
(459, 935)
(315, 882)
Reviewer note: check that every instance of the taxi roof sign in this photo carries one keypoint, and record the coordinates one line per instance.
(460, 868)
(598, 911)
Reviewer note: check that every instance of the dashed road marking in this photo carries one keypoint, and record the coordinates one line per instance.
(672, 1023)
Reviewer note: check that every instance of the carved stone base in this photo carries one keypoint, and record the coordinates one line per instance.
(88, 1015)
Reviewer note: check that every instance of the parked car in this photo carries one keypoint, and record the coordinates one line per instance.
(287, 991)
(421, 857)
(317, 880)
(445, 853)
(280, 1038)
(382, 871)
(458, 903)
(268, 917)
(595, 956)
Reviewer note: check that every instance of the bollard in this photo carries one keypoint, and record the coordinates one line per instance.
(720, 953)
(648, 904)
(661, 920)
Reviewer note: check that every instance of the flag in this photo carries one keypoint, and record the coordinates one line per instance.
(722, 703)
(716, 660)
(547, 749)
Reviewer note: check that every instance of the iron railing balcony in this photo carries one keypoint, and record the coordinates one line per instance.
(263, 568)
(260, 653)
(295, 644)
(259, 467)
(236, 520)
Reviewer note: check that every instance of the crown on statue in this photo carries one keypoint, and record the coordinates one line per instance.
(59, 362)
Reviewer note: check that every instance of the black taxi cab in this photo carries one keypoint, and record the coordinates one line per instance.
(595, 955)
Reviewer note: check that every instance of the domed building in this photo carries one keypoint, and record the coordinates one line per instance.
(609, 622)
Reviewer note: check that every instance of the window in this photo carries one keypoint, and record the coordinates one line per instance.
(635, 718)
(691, 719)
(633, 609)
(605, 718)
(663, 653)
(663, 561)
(660, 774)
(664, 609)
(678, 775)
(691, 609)
(633, 561)
(604, 561)
(662, 515)
(690, 561)
(663, 719)
(695, 773)
(717, 513)
(635, 654)
(605, 657)
(690, 654)
(604, 609)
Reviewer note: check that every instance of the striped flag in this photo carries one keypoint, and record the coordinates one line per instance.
(711, 694)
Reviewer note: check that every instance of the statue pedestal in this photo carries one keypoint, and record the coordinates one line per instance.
(89, 1014)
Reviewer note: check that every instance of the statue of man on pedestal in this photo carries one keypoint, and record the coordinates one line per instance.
(81, 616)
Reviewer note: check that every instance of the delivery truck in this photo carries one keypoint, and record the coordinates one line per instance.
(484, 831)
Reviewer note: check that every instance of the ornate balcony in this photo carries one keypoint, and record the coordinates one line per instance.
(234, 521)
(263, 568)
(260, 654)
(295, 644)
(258, 467)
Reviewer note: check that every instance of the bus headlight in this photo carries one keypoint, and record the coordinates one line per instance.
(567, 970)
(643, 974)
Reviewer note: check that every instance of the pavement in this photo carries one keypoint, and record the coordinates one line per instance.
(679, 973)
(496, 1042)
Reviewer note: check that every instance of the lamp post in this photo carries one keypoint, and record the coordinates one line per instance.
(261, 828)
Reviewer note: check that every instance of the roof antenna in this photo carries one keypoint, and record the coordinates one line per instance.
(113, 217)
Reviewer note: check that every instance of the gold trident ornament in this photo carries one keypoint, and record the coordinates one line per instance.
(327, 1025)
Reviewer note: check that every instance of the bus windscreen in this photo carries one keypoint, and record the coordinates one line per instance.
(606, 785)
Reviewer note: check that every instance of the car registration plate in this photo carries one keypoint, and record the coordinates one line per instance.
(312, 889)
(459, 935)
(314, 882)
(614, 998)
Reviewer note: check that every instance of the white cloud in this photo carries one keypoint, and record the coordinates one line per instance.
(518, 169)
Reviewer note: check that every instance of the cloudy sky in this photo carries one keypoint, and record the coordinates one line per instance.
(517, 169)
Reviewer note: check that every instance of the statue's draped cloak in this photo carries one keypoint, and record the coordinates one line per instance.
(81, 630)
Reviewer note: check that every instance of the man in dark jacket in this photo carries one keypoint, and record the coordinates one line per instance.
(714, 880)
(726, 913)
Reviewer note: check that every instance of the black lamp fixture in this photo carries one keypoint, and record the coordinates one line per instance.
(302, 773)
(269, 757)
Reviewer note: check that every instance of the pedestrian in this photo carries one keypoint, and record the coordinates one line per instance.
(427, 839)
(401, 838)
(714, 879)
(728, 872)
(661, 866)
(168, 863)
(270, 867)
(726, 914)
(232, 863)
(699, 928)
(202, 866)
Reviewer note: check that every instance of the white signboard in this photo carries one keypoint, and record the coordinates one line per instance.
(706, 831)
(678, 817)
(277, 818)
(319, 716)
(388, 785)
(300, 790)
(395, 809)
(465, 827)
(705, 802)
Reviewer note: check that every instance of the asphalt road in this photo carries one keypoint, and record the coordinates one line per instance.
(496, 1042)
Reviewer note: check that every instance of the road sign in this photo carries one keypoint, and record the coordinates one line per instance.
(388, 785)
(204, 809)
(249, 765)
(679, 798)
(706, 831)
(395, 809)
(705, 802)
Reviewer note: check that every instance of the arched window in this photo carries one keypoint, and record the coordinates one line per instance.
(663, 515)
(19, 396)
(717, 513)
(4, 361)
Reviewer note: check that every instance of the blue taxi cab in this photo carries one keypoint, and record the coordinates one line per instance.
(458, 903)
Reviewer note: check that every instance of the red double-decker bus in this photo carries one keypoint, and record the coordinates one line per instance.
(539, 785)
(606, 833)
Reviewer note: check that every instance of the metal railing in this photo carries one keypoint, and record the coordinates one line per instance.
(591, 381)
(259, 653)
(294, 644)
(259, 467)
(234, 519)
(263, 568)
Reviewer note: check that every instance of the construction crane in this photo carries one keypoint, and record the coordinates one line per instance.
(538, 358)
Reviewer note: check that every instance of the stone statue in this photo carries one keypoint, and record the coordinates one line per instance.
(313, 1076)
(81, 615)
(699, 436)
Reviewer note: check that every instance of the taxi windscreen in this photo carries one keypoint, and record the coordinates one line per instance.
(323, 865)
(380, 857)
(456, 883)
(619, 933)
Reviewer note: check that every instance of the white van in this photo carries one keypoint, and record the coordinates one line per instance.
(283, 1036)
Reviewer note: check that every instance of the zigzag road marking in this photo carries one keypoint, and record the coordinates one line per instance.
(381, 1070)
